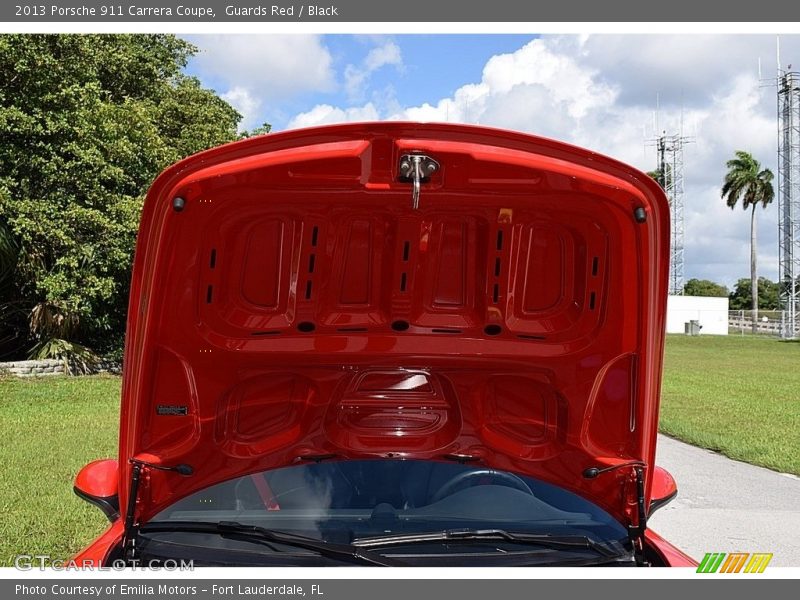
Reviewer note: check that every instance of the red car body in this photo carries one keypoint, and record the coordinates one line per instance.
(292, 301)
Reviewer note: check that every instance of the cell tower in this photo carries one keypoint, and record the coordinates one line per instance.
(669, 174)
(789, 197)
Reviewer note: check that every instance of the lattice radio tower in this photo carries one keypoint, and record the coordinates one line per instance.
(670, 175)
(788, 83)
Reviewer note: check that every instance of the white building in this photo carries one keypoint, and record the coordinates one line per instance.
(712, 313)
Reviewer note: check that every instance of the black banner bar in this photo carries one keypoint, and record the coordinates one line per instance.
(441, 11)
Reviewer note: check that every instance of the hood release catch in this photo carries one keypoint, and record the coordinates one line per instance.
(416, 168)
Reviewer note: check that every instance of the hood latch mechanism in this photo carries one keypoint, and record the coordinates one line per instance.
(416, 168)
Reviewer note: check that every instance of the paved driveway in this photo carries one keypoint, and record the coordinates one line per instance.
(727, 506)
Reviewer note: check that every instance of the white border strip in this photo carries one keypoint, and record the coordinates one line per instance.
(218, 27)
(289, 574)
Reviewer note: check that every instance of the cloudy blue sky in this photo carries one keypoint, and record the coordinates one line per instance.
(595, 91)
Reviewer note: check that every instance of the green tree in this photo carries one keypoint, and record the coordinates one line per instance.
(262, 129)
(748, 182)
(741, 297)
(704, 287)
(13, 327)
(658, 175)
(87, 122)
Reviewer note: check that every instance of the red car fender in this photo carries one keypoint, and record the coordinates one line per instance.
(669, 554)
(94, 555)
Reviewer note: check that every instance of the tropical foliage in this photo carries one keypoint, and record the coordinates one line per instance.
(746, 183)
(741, 298)
(87, 122)
(704, 287)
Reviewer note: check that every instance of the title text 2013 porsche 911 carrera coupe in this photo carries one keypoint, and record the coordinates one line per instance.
(392, 344)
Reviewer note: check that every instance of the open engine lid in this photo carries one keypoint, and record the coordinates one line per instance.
(293, 297)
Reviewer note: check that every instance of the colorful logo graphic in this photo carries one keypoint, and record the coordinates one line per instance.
(735, 562)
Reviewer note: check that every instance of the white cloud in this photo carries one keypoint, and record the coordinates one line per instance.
(324, 114)
(247, 105)
(385, 54)
(600, 92)
(272, 66)
(357, 77)
(679, 67)
(254, 71)
(544, 83)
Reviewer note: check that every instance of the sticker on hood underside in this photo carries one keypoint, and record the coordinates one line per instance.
(172, 409)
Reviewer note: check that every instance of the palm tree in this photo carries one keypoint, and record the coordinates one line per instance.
(746, 180)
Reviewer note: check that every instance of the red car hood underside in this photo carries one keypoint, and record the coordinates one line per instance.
(298, 305)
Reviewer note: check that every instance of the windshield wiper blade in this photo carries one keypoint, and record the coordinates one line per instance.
(565, 542)
(262, 535)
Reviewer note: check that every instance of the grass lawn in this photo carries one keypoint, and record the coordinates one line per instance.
(737, 395)
(50, 428)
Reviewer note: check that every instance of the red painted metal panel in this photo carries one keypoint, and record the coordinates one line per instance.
(575, 284)
(261, 271)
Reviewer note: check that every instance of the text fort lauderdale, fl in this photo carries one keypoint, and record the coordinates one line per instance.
(223, 590)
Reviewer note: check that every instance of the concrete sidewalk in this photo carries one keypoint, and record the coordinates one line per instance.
(725, 505)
